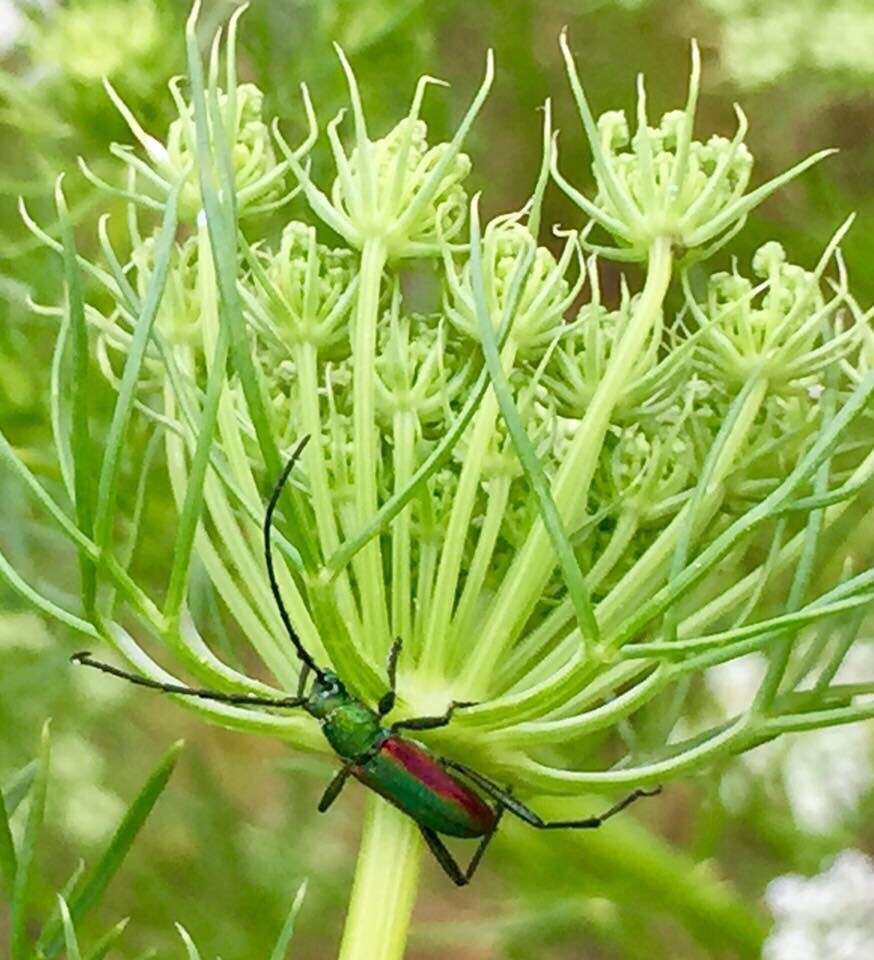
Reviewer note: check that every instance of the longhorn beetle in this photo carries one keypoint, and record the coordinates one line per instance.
(436, 792)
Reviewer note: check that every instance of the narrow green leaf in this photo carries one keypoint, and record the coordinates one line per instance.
(107, 941)
(601, 160)
(10, 575)
(84, 460)
(18, 786)
(78, 871)
(765, 629)
(192, 507)
(845, 640)
(531, 464)
(221, 224)
(815, 720)
(90, 892)
(8, 858)
(70, 941)
(60, 427)
(745, 204)
(126, 292)
(107, 487)
(21, 890)
(191, 949)
(69, 528)
(281, 948)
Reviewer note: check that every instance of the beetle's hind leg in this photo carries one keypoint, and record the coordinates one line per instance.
(506, 800)
(461, 878)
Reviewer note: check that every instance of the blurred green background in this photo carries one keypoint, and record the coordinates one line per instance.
(236, 831)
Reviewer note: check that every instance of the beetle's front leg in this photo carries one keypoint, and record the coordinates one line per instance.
(387, 701)
(432, 723)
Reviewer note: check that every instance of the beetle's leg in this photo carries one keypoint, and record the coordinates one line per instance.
(393, 657)
(444, 857)
(387, 701)
(517, 808)
(432, 723)
(238, 699)
(334, 787)
(302, 680)
(449, 864)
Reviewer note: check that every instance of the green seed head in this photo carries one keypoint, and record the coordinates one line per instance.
(660, 183)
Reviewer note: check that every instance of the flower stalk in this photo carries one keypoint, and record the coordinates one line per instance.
(384, 889)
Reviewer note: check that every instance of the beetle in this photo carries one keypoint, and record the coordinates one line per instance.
(444, 797)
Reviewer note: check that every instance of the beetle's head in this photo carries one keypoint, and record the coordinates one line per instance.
(327, 693)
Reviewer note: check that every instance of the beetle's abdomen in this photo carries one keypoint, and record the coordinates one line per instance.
(410, 778)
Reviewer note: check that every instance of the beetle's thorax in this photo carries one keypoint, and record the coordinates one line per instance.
(353, 729)
(350, 726)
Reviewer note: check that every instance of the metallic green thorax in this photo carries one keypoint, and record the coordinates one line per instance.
(352, 728)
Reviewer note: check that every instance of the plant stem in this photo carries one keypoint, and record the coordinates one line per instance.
(536, 560)
(368, 563)
(306, 360)
(384, 890)
(435, 652)
(404, 428)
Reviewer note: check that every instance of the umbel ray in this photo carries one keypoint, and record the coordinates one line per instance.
(443, 797)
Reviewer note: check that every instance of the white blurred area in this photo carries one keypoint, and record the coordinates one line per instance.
(13, 20)
(826, 917)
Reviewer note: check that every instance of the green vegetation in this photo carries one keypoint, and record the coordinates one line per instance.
(610, 479)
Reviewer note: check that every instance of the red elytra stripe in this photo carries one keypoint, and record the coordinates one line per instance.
(421, 765)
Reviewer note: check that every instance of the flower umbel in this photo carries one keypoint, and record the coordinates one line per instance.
(660, 181)
(554, 506)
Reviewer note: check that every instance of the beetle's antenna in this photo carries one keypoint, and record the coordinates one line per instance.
(268, 556)
(238, 699)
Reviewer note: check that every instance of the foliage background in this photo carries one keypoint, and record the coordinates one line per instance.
(237, 831)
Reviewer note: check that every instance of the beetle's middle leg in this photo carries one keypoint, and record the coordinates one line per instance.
(335, 787)
(449, 864)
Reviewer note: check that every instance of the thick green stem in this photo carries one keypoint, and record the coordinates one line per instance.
(434, 655)
(368, 563)
(533, 565)
(405, 428)
(306, 360)
(496, 508)
(384, 890)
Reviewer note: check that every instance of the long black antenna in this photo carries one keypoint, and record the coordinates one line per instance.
(239, 699)
(268, 556)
